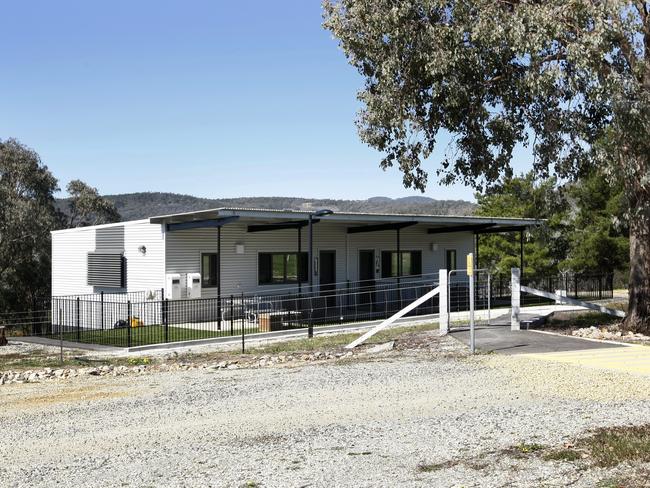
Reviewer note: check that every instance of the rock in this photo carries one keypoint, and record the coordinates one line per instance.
(386, 346)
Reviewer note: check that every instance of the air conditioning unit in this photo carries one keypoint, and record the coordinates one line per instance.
(193, 285)
(173, 286)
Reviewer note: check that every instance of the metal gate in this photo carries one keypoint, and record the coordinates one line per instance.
(458, 298)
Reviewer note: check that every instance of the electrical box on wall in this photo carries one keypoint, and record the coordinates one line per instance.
(193, 285)
(173, 286)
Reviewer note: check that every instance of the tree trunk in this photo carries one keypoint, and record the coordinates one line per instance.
(638, 316)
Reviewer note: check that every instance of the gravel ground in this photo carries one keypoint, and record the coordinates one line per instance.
(367, 422)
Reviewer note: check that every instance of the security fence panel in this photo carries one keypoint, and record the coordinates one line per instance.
(459, 298)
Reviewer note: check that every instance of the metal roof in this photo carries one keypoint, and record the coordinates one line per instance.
(270, 215)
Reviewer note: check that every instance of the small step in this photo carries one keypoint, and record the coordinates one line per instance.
(532, 322)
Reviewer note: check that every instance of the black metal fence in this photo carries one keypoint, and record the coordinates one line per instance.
(578, 286)
(130, 324)
(141, 318)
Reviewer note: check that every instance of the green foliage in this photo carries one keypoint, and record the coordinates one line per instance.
(569, 80)
(544, 247)
(584, 230)
(87, 207)
(598, 238)
(27, 215)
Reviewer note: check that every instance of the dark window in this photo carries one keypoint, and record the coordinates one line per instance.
(451, 260)
(209, 270)
(282, 268)
(411, 263)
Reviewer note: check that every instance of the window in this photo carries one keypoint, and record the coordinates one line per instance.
(209, 270)
(411, 263)
(282, 268)
(451, 260)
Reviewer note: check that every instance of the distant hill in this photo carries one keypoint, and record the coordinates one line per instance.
(133, 206)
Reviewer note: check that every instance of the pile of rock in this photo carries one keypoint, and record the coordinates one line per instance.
(269, 360)
(35, 376)
(613, 334)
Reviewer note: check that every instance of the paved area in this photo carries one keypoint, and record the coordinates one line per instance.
(557, 348)
(629, 358)
(499, 338)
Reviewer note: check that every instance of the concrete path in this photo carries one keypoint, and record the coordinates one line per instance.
(630, 358)
(501, 339)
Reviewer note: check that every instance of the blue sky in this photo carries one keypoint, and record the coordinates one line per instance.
(209, 98)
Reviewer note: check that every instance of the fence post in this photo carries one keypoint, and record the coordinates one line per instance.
(78, 321)
(232, 315)
(128, 324)
(60, 333)
(243, 319)
(489, 296)
(600, 287)
(165, 317)
(101, 299)
(310, 326)
(443, 302)
(515, 293)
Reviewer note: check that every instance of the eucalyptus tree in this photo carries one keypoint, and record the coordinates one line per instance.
(87, 207)
(27, 215)
(568, 78)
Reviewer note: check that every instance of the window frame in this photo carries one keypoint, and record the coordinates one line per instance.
(210, 283)
(301, 277)
(412, 252)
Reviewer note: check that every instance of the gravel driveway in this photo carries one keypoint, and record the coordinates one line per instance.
(367, 422)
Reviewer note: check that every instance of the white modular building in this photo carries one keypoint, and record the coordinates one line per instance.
(229, 251)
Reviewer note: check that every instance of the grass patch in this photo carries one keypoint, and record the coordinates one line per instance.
(158, 334)
(432, 467)
(614, 445)
(331, 341)
(528, 448)
(581, 320)
(149, 334)
(40, 359)
(568, 455)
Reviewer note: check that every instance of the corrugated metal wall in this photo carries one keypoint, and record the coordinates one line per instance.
(180, 252)
(70, 249)
(144, 271)
(239, 271)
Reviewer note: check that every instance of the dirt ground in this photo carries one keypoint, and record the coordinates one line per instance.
(422, 414)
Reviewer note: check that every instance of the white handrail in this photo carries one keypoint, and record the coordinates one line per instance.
(393, 318)
(573, 301)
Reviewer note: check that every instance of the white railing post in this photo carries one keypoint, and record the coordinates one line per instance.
(443, 312)
(413, 305)
(515, 293)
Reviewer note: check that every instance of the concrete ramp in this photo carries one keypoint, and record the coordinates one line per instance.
(501, 339)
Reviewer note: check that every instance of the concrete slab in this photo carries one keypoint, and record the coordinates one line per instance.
(505, 341)
(46, 341)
